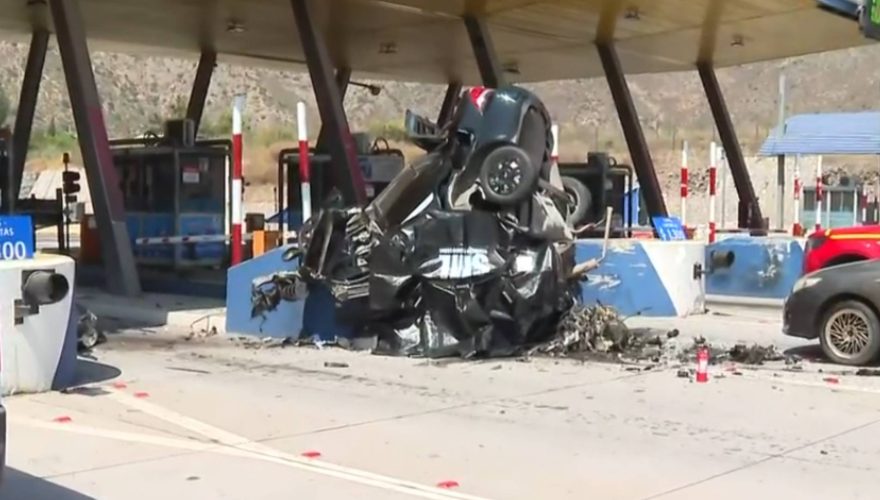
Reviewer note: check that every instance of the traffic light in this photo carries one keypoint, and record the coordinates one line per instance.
(70, 182)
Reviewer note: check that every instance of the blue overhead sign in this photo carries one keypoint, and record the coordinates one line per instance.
(669, 228)
(16, 237)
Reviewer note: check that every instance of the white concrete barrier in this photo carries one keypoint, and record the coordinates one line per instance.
(34, 339)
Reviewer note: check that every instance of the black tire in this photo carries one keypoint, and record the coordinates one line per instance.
(507, 176)
(583, 200)
(850, 324)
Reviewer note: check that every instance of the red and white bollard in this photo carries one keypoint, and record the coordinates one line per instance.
(684, 182)
(820, 193)
(863, 202)
(554, 153)
(304, 168)
(713, 177)
(797, 229)
(237, 171)
(703, 364)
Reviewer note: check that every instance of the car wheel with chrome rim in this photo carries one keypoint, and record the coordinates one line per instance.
(850, 333)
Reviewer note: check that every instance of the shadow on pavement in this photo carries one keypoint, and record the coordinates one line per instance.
(813, 353)
(21, 485)
(91, 372)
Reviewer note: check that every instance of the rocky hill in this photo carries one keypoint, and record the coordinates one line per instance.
(137, 91)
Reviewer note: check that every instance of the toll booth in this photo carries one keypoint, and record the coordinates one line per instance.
(173, 186)
(379, 164)
(840, 206)
(610, 184)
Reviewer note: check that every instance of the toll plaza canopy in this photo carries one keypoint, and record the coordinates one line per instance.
(826, 134)
(425, 40)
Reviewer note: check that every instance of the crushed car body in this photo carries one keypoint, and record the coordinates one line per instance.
(467, 252)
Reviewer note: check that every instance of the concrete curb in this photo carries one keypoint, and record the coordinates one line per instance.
(153, 311)
(731, 300)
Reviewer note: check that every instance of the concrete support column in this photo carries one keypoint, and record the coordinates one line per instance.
(27, 105)
(121, 273)
(484, 51)
(749, 211)
(346, 171)
(199, 94)
(643, 164)
(343, 77)
(450, 100)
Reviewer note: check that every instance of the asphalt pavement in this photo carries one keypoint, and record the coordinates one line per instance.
(163, 414)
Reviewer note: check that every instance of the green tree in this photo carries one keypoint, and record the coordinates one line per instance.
(221, 126)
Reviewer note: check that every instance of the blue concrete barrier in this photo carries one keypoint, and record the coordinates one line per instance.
(285, 321)
(763, 267)
(650, 278)
(314, 317)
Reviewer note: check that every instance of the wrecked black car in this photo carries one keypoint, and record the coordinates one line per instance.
(466, 252)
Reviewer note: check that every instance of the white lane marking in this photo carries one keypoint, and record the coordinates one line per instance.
(810, 383)
(267, 453)
(183, 444)
(131, 437)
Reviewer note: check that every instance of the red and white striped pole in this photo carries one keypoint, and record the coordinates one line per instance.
(304, 169)
(554, 154)
(819, 194)
(864, 204)
(713, 174)
(237, 170)
(684, 182)
(797, 229)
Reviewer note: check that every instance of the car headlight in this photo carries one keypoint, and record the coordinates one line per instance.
(805, 282)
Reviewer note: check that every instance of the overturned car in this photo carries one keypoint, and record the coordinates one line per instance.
(466, 252)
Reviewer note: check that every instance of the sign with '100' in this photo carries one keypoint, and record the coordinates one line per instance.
(16, 237)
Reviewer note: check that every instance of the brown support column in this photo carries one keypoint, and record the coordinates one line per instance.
(643, 164)
(750, 210)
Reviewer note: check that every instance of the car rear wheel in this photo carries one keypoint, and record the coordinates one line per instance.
(507, 176)
(850, 333)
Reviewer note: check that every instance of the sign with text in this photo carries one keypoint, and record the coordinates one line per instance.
(16, 237)
(669, 228)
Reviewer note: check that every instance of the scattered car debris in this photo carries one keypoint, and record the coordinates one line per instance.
(87, 332)
(587, 329)
(263, 343)
(868, 372)
(755, 354)
(335, 364)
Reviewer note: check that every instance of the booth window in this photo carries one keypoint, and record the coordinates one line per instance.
(202, 187)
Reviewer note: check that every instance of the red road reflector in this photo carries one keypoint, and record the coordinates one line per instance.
(142, 394)
(448, 484)
(831, 380)
(311, 454)
(119, 385)
(64, 419)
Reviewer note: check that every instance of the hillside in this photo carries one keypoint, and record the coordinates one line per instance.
(137, 91)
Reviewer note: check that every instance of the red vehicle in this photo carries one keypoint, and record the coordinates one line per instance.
(832, 247)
